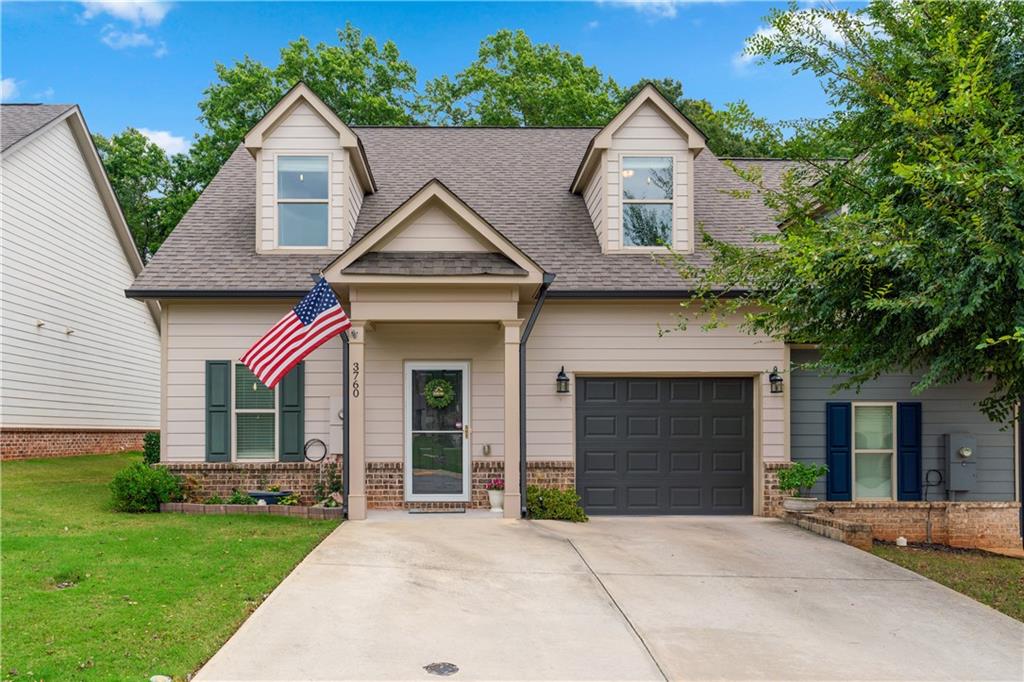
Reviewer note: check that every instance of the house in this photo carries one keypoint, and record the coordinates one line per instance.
(479, 267)
(80, 366)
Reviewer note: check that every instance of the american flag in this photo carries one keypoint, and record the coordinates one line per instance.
(305, 328)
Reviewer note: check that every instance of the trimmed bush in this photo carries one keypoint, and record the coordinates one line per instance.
(552, 503)
(151, 447)
(238, 497)
(141, 488)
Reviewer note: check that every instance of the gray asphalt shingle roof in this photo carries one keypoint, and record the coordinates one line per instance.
(18, 121)
(434, 263)
(517, 179)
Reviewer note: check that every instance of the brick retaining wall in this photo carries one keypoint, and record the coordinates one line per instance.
(27, 443)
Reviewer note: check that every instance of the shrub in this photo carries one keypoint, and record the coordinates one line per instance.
(238, 497)
(552, 503)
(213, 499)
(799, 477)
(329, 481)
(141, 488)
(289, 500)
(151, 447)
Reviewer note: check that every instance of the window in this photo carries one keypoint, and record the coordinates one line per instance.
(302, 212)
(647, 200)
(255, 417)
(874, 451)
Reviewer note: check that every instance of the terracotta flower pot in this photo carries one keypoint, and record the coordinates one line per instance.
(497, 498)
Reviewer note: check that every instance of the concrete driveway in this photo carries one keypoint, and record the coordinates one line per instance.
(692, 598)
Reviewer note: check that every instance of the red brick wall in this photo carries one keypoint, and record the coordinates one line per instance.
(772, 500)
(26, 443)
(205, 479)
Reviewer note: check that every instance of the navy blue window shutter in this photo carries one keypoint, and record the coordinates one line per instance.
(908, 451)
(292, 392)
(838, 451)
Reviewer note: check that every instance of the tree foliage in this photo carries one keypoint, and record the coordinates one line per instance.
(143, 178)
(911, 254)
(516, 82)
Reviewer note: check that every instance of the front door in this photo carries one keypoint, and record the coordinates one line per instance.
(437, 432)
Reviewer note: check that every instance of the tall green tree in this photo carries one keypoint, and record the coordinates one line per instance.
(911, 254)
(142, 176)
(364, 82)
(731, 131)
(516, 82)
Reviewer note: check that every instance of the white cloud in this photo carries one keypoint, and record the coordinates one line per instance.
(742, 59)
(45, 93)
(120, 40)
(591, 25)
(8, 89)
(172, 144)
(161, 50)
(656, 9)
(137, 12)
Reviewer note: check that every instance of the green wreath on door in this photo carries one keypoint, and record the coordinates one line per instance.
(439, 393)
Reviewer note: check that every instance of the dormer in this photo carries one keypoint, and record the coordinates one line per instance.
(637, 177)
(311, 176)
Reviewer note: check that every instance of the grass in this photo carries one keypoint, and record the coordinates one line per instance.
(993, 580)
(93, 594)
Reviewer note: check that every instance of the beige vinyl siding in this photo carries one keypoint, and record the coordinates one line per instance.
(302, 133)
(648, 133)
(434, 229)
(389, 346)
(621, 338)
(62, 264)
(198, 332)
(594, 197)
(353, 200)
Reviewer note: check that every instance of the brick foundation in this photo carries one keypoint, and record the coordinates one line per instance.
(205, 479)
(957, 524)
(853, 533)
(28, 443)
(299, 511)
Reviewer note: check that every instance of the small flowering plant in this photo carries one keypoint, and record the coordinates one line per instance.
(495, 484)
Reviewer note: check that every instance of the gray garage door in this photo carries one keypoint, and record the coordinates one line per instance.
(665, 446)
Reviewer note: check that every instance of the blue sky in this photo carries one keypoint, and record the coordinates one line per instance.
(145, 64)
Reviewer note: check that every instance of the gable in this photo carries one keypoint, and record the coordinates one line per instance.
(435, 228)
(648, 130)
(301, 128)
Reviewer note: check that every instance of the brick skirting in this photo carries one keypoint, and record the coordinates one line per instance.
(957, 524)
(32, 442)
(853, 533)
(294, 510)
(202, 480)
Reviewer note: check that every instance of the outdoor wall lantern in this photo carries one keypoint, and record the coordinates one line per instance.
(775, 379)
(562, 381)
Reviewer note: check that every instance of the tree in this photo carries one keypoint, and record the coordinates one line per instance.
(732, 131)
(515, 82)
(363, 82)
(911, 254)
(141, 175)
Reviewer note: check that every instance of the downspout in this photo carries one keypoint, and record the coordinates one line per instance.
(344, 424)
(538, 304)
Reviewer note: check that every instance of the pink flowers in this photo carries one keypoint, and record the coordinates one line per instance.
(495, 484)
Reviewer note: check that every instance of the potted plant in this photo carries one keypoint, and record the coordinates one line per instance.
(795, 479)
(496, 493)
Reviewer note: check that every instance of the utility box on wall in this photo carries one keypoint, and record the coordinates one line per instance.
(961, 462)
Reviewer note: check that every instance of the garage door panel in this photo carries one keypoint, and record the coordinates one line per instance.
(665, 446)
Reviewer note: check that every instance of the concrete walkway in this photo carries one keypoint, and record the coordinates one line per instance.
(616, 599)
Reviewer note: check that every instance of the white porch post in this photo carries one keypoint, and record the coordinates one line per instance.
(512, 417)
(357, 424)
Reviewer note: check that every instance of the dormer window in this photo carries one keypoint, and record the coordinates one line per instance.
(302, 201)
(647, 200)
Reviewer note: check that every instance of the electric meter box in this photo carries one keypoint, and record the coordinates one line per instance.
(961, 461)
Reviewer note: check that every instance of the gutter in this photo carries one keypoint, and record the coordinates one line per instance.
(638, 293)
(534, 314)
(215, 293)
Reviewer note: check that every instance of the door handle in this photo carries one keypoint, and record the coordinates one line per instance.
(466, 431)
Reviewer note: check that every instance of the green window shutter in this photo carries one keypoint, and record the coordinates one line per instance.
(218, 410)
(292, 395)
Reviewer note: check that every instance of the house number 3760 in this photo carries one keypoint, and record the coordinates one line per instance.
(355, 379)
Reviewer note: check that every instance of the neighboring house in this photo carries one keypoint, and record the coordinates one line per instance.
(476, 263)
(80, 365)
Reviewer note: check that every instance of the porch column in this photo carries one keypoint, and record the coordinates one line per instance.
(512, 417)
(357, 426)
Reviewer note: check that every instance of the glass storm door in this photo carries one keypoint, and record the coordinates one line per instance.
(437, 431)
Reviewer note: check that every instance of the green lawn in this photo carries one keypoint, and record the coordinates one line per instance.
(150, 593)
(994, 580)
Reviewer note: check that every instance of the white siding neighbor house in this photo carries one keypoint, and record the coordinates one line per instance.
(80, 366)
